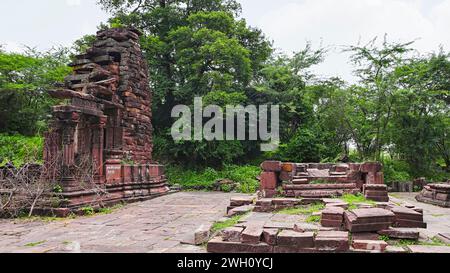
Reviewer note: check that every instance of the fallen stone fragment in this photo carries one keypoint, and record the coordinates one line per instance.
(232, 234)
(242, 201)
(370, 219)
(240, 210)
(405, 217)
(429, 249)
(332, 217)
(298, 239)
(252, 234)
(217, 245)
(395, 249)
(271, 166)
(198, 237)
(334, 241)
(270, 236)
(397, 233)
(445, 237)
(376, 245)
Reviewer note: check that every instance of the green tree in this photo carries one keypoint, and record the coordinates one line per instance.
(24, 80)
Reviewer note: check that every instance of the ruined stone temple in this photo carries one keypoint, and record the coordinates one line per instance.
(106, 121)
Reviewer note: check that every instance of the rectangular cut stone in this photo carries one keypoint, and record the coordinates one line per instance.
(240, 210)
(429, 249)
(332, 241)
(293, 249)
(252, 234)
(288, 167)
(376, 245)
(400, 233)
(298, 239)
(271, 166)
(270, 236)
(241, 201)
(216, 245)
(268, 180)
(285, 176)
(370, 219)
(371, 167)
(232, 234)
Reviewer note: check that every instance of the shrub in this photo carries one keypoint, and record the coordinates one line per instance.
(204, 179)
(20, 149)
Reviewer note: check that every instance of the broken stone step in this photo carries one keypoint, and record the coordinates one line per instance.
(320, 186)
(232, 234)
(400, 233)
(371, 245)
(300, 181)
(252, 234)
(332, 241)
(217, 245)
(298, 239)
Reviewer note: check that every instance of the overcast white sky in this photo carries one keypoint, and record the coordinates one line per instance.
(289, 23)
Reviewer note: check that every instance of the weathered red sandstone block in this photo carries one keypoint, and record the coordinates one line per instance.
(379, 178)
(268, 181)
(252, 234)
(371, 167)
(232, 234)
(376, 245)
(370, 219)
(288, 167)
(270, 236)
(332, 241)
(332, 217)
(241, 201)
(293, 238)
(271, 166)
(400, 233)
(216, 245)
(285, 176)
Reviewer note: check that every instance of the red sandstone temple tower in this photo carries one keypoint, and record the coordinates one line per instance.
(106, 120)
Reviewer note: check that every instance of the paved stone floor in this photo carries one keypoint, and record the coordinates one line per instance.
(437, 218)
(157, 225)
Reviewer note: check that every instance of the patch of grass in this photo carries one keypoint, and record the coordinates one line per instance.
(218, 226)
(109, 210)
(35, 243)
(204, 179)
(384, 238)
(354, 199)
(305, 210)
(317, 182)
(313, 219)
(88, 211)
(433, 242)
(437, 215)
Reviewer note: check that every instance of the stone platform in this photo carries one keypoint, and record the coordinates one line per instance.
(436, 194)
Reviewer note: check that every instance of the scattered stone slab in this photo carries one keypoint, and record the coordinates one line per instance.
(409, 218)
(372, 245)
(271, 166)
(297, 239)
(270, 236)
(395, 249)
(217, 245)
(232, 234)
(240, 210)
(371, 236)
(252, 234)
(241, 201)
(428, 249)
(397, 233)
(335, 241)
(200, 236)
(332, 217)
(436, 194)
(376, 192)
(370, 219)
(445, 237)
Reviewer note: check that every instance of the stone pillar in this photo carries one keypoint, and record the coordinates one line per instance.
(97, 148)
(68, 152)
